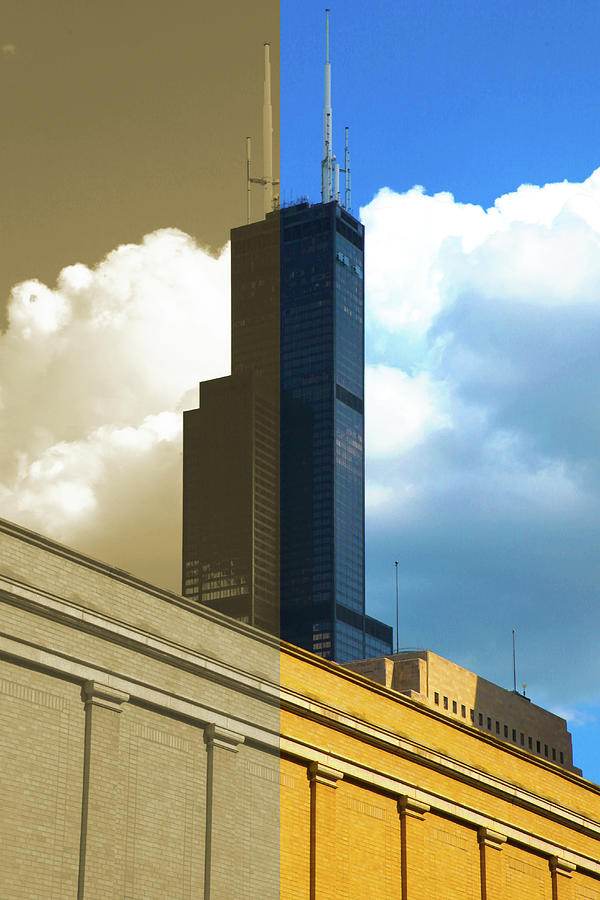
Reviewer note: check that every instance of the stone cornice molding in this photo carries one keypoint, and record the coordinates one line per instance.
(489, 838)
(225, 738)
(438, 761)
(115, 574)
(76, 616)
(561, 866)
(410, 806)
(145, 694)
(322, 774)
(94, 693)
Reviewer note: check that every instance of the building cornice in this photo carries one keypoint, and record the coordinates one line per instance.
(414, 704)
(120, 575)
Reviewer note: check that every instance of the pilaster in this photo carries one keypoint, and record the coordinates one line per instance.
(561, 871)
(490, 863)
(323, 839)
(412, 815)
(102, 845)
(223, 859)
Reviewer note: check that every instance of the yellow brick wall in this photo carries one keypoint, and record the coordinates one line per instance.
(584, 888)
(368, 838)
(114, 696)
(422, 853)
(295, 831)
(335, 686)
(451, 859)
(524, 875)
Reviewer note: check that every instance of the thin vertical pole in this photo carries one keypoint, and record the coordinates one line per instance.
(268, 135)
(397, 612)
(514, 663)
(248, 188)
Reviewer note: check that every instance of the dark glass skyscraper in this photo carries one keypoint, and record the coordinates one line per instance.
(274, 481)
(322, 434)
(298, 369)
(231, 449)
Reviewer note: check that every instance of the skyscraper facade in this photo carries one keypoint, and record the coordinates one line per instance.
(322, 434)
(231, 449)
(274, 456)
(273, 503)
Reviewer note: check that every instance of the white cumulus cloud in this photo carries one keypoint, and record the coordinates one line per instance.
(483, 422)
(400, 410)
(94, 374)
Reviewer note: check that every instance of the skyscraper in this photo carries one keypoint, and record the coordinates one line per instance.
(274, 456)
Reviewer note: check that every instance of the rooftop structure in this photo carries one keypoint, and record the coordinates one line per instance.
(465, 697)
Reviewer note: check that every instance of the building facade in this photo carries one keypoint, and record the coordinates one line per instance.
(153, 748)
(273, 493)
(273, 458)
(231, 449)
(322, 435)
(383, 796)
(139, 737)
(465, 697)
(231, 500)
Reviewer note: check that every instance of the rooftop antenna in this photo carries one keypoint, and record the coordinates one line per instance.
(330, 172)
(346, 170)
(514, 663)
(269, 201)
(397, 612)
(268, 134)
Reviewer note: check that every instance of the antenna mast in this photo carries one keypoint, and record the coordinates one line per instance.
(268, 134)
(267, 181)
(346, 170)
(329, 170)
(248, 181)
(514, 663)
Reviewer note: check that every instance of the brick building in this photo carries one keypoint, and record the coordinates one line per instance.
(138, 737)
(153, 748)
(466, 697)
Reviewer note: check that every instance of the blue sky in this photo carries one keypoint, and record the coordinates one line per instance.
(482, 328)
(469, 97)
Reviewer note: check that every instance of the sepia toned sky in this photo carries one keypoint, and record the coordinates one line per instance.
(122, 117)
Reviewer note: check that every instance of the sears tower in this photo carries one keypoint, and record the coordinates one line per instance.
(273, 497)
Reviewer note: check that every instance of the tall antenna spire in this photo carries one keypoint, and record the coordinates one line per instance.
(347, 192)
(267, 180)
(268, 134)
(328, 166)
